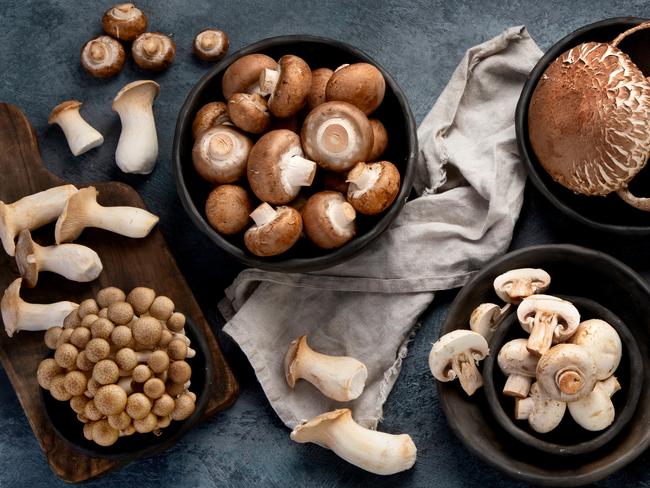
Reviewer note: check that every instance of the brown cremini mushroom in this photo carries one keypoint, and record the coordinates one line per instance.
(373, 186)
(319, 79)
(227, 209)
(274, 231)
(243, 75)
(249, 112)
(329, 220)
(287, 85)
(153, 51)
(380, 139)
(220, 155)
(211, 115)
(102, 57)
(360, 84)
(124, 21)
(211, 45)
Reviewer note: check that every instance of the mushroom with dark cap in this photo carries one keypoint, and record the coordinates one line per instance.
(360, 84)
(220, 154)
(373, 186)
(329, 220)
(287, 85)
(249, 112)
(274, 231)
(319, 79)
(102, 57)
(210, 44)
(380, 139)
(153, 51)
(124, 21)
(227, 209)
(211, 115)
(243, 75)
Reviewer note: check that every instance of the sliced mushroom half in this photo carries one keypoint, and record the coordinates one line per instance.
(517, 284)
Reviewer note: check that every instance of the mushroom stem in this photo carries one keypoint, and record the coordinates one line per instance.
(464, 366)
(541, 334)
(363, 179)
(263, 214)
(638, 202)
(341, 215)
(81, 136)
(268, 81)
(297, 171)
(487, 317)
(335, 135)
(517, 385)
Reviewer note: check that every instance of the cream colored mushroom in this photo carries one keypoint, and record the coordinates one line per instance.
(548, 319)
(566, 372)
(82, 210)
(543, 413)
(603, 343)
(340, 378)
(519, 365)
(81, 136)
(517, 284)
(375, 452)
(487, 317)
(596, 411)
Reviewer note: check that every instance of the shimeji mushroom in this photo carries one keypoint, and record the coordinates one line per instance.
(184, 406)
(31, 212)
(138, 406)
(211, 45)
(596, 411)
(375, 452)
(456, 355)
(602, 342)
(110, 400)
(82, 210)
(337, 135)
(373, 186)
(277, 169)
(567, 372)
(319, 79)
(140, 299)
(287, 85)
(220, 154)
(47, 370)
(360, 84)
(124, 21)
(380, 139)
(548, 319)
(97, 349)
(227, 209)
(243, 75)
(19, 315)
(120, 313)
(487, 317)
(515, 285)
(329, 220)
(210, 115)
(249, 112)
(109, 295)
(274, 230)
(542, 412)
(153, 51)
(340, 378)
(73, 261)
(81, 136)
(102, 57)
(176, 322)
(106, 372)
(137, 148)
(162, 308)
(519, 365)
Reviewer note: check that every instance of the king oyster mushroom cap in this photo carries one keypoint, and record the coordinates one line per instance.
(212, 114)
(340, 378)
(102, 57)
(543, 413)
(274, 231)
(456, 355)
(604, 344)
(19, 315)
(487, 317)
(82, 210)
(360, 84)
(337, 135)
(220, 154)
(373, 186)
(81, 136)
(376, 452)
(329, 220)
(277, 169)
(288, 85)
(566, 372)
(249, 112)
(153, 51)
(319, 79)
(548, 319)
(137, 148)
(589, 120)
(515, 285)
(243, 75)
(519, 365)
(596, 411)
(124, 21)
(211, 44)
(73, 261)
(31, 212)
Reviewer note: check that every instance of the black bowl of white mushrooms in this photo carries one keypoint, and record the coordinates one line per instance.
(584, 136)
(295, 153)
(493, 298)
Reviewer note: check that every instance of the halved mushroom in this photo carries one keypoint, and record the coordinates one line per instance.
(519, 365)
(548, 319)
(249, 112)
(220, 154)
(228, 208)
(319, 79)
(567, 372)
(337, 135)
(288, 85)
(380, 139)
(153, 51)
(596, 411)
(211, 115)
(274, 232)
(456, 355)
(124, 21)
(373, 186)
(487, 317)
(515, 285)
(102, 57)
(81, 136)
(329, 220)
(277, 169)
(243, 75)
(211, 45)
(360, 84)
(604, 344)
(543, 413)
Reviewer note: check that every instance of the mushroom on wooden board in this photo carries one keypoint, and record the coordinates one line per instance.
(373, 186)
(211, 44)
(153, 51)
(243, 75)
(275, 230)
(220, 154)
(566, 372)
(519, 365)
(360, 84)
(596, 411)
(102, 57)
(542, 412)
(287, 85)
(329, 220)
(604, 344)
(124, 21)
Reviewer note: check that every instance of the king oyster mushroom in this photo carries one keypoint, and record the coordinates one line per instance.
(589, 120)
(80, 135)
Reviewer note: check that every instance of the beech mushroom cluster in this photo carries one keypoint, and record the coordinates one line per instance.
(280, 128)
(121, 361)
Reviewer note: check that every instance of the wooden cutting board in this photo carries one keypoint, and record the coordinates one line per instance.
(127, 263)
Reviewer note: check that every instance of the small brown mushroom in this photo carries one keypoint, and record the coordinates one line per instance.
(154, 388)
(243, 75)
(97, 349)
(47, 370)
(319, 79)
(140, 299)
(121, 336)
(184, 406)
(227, 209)
(158, 361)
(66, 355)
(106, 372)
(373, 186)
(274, 231)
(72, 320)
(80, 337)
(360, 84)
(153, 51)
(220, 154)
(176, 389)
(52, 336)
(103, 434)
(176, 322)
(58, 390)
(124, 21)
(163, 406)
(88, 320)
(329, 220)
(288, 85)
(380, 139)
(177, 349)
(138, 406)
(126, 359)
(249, 112)
(88, 307)
(102, 57)
(78, 404)
(211, 45)
(75, 383)
(110, 400)
(103, 329)
(141, 373)
(120, 313)
(120, 420)
(162, 308)
(211, 115)
(147, 424)
(83, 363)
(110, 295)
(147, 330)
(180, 372)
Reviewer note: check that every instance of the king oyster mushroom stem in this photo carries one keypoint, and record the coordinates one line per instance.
(137, 148)
(81, 136)
(487, 317)
(19, 315)
(456, 355)
(375, 452)
(548, 319)
(543, 413)
(596, 411)
(517, 284)
(340, 378)
(519, 365)
(603, 343)
(566, 372)
(31, 212)
(82, 210)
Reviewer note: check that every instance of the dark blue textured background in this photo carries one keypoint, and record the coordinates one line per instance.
(420, 42)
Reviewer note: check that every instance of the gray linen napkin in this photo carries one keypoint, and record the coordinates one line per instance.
(470, 184)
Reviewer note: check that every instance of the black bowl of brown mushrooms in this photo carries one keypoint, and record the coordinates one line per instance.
(583, 140)
(287, 163)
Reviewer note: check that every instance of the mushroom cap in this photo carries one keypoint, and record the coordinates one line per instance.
(604, 344)
(126, 359)
(102, 328)
(66, 355)
(120, 420)
(138, 406)
(141, 373)
(103, 434)
(454, 343)
(106, 372)
(380, 139)
(302, 432)
(243, 75)
(58, 390)
(141, 92)
(97, 349)
(124, 21)
(180, 372)
(568, 317)
(153, 51)
(88, 307)
(220, 154)
(184, 406)
(290, 357)
(373, 192)
(147, 331)
(154, 388)
(249, 112)
(72, 220)
(319, 79)
(211, 44)
(26, 258)
(120, 313)
(163, 406)
(328, 219)
(75, 383)
(141, 299)
(294, 84)
(517, 284)
(110, 400)
(596, 411)
(61, 108)
(107, 296)
(337, 135)
(10, 306)
(210, 115)
(162, 308)
(102, 57)
(158, 361)
(146, 424)
(515, 358)
(360, 84)
(276, 236)
(566, 372)
(121, 336)
(72, 320)
(227, 209)
(80, 337)
(177, 349)
(47, 369)
(589, 119)
(176, 322)
(52, 335)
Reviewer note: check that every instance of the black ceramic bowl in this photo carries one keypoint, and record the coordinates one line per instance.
(65, 424)
(609, 214)
(575, 271)
(394, 112)
(568, 438)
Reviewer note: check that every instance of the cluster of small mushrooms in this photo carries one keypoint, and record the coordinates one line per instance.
(343, 379)
(279, 123)
(120, 361)
(562, 364)
(589, 120)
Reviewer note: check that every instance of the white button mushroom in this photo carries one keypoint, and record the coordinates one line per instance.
(329, 220)
(274, 232)
(81, 136)
(548, 319)
(566, 372)
(603, 343)
(456, 355)
(487, 317)
(220, 155)
(340, 378)
(596, 411)
(517, 284)
(375, 452)
(373, 186)
(243, 75)
(519, 365)
(543, 413)
(137, 149)
(288, 85)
